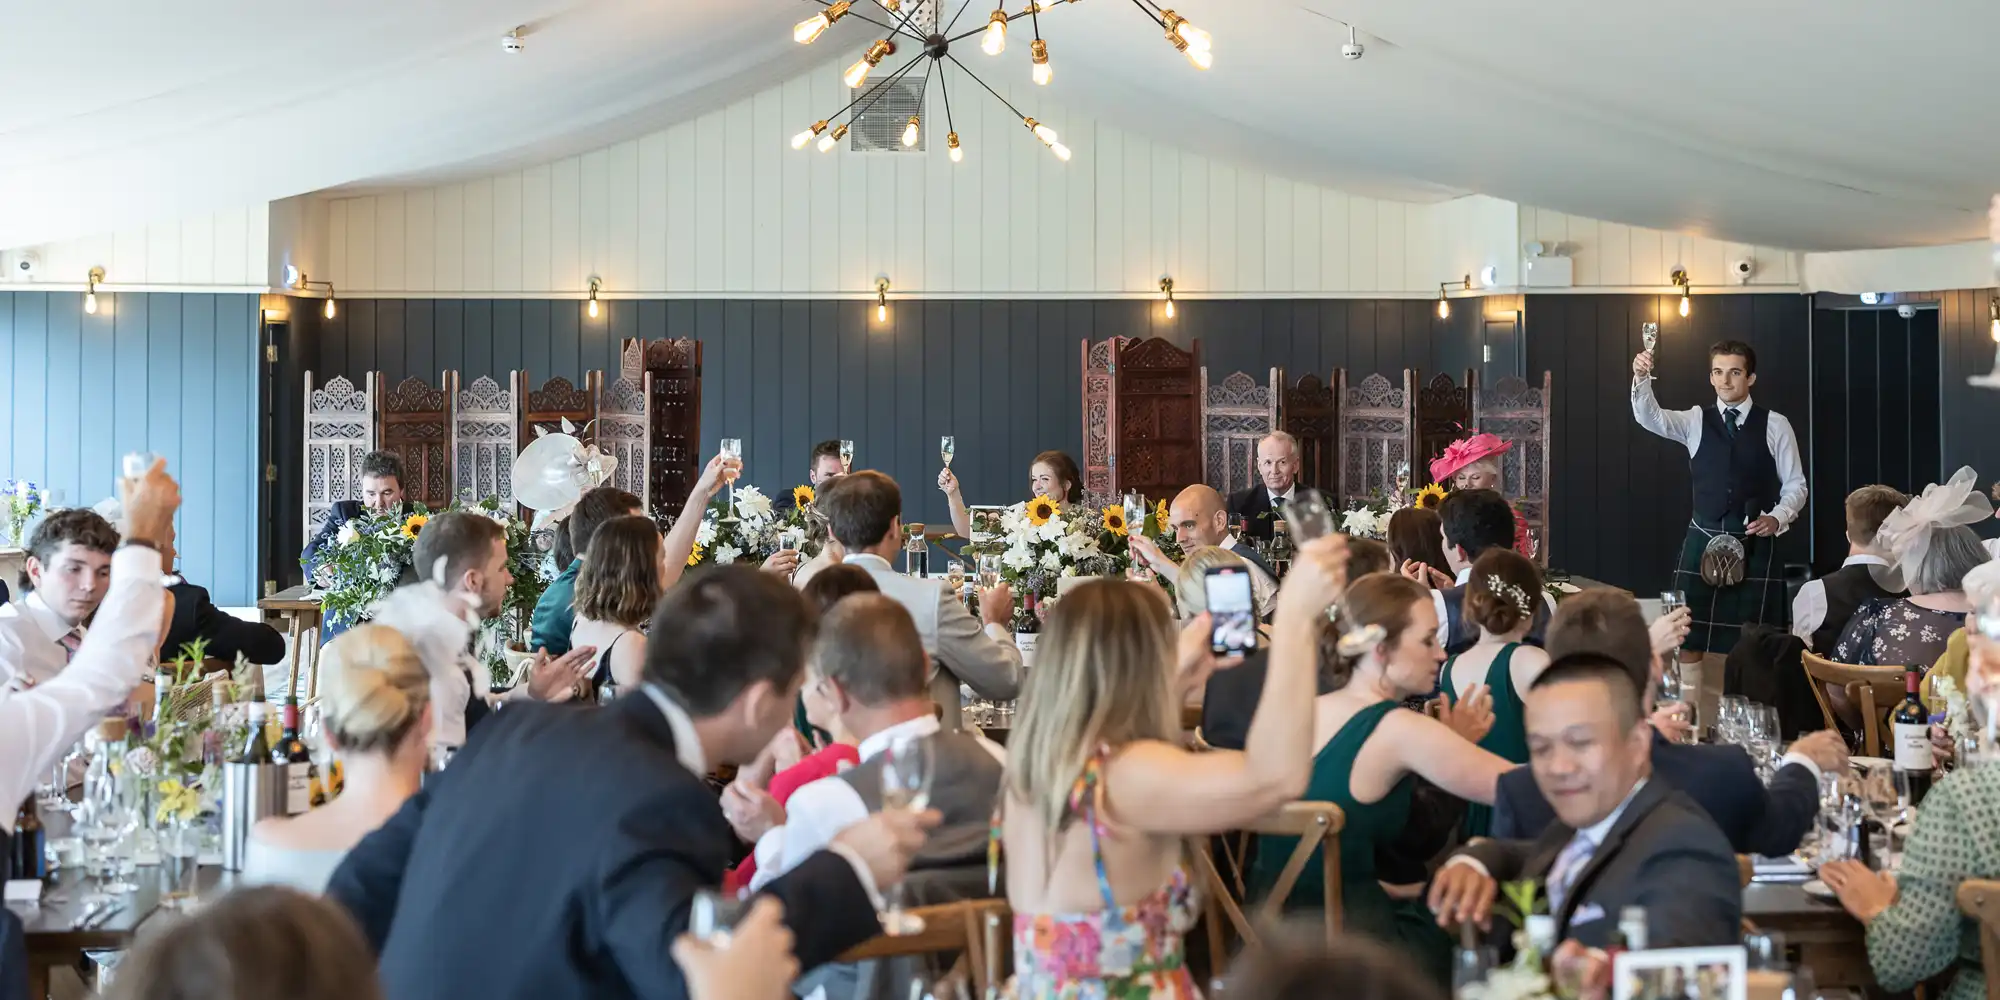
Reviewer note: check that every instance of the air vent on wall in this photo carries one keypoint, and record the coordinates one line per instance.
(890, 105)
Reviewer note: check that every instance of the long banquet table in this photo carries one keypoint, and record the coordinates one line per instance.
(56, 938)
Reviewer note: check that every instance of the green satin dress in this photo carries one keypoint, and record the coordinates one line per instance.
(1509, 736)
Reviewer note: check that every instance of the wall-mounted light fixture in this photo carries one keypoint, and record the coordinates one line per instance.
(1991, 380)
(882, 299)
(1167, 293)
(1870, 298)
(1680, 279)
(90, 294)
(1444, 305)
(305, 283)
(595, 282)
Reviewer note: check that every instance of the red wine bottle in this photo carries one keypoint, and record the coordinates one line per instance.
(292, 755)
(1912, 723)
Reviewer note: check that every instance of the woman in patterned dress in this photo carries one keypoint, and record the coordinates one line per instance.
(1934, 549)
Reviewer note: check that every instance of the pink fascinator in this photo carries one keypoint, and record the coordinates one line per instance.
(1464, 452)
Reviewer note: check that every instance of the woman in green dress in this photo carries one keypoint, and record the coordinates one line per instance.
(1500, 598)
(1369, 754)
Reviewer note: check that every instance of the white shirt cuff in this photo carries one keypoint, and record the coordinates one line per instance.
(770, 855)
(1802, 760)
(861, 872)
(137, 560)
(999, 634)
(1467, 859)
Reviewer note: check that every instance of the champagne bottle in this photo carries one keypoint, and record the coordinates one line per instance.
(1912, 724)
(291, 754)
(29, 860)
(258, 749)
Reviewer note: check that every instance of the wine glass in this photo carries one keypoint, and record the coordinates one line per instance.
(847, 456)
(712, 916)
(1731, 720)
(947, 447)
(1308, 516)
(732, 453)
(989, 571)
(104, 819)
(906, 784)
(954, 575)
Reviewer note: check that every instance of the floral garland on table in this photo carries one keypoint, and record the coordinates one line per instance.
(24, 501)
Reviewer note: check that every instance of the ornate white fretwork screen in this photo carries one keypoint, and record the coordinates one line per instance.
(1236, 413)
(484, 431)
(623, 415)
(340, 429)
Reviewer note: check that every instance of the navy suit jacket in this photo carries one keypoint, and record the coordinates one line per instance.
(197, 617)
(1720, 779)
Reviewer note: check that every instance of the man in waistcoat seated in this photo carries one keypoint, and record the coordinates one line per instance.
(1824, 606)
(869, 660)
(1473, 521)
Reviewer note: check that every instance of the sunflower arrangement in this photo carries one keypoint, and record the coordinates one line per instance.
(372, 555)
(414, 525)
(1429, 497)
(1041, 510)
(803, 496)
(1114, 521)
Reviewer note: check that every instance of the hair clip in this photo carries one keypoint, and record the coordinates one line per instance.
(1355, 642)
(1513, 593)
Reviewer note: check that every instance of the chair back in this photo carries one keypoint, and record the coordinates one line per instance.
(1980, 900)
(1873, 690)
(1746, 869)
(1317, 826)
(975, 931)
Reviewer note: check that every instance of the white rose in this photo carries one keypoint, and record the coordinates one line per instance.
(348, 534)
(726, 554)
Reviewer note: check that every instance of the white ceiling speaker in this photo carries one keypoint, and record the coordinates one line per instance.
(512, 43)
(25, 265)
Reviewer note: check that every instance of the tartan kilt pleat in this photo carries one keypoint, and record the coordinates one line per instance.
(1719, 613)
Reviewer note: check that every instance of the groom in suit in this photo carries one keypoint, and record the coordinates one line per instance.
(559, 855)
(1622, 838)
(1261, 505)
(381, 492)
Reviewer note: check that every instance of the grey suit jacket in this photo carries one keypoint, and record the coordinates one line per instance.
(1663, 854)
(961, 649)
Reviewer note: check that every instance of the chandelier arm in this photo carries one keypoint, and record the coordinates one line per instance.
(1035, 19)
(982, 83)
(1143, 9)
(892, 29)
(953, 23)
(946, 93)
(875, 93)
(903, 25)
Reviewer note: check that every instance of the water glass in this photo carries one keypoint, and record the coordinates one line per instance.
(907, 766)
(104, 820)
(1470, 967)
(180, 853)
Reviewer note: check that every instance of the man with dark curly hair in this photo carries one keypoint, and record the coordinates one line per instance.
(68, 571)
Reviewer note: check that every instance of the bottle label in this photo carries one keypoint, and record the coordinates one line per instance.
(1913, 746)
(298, 788)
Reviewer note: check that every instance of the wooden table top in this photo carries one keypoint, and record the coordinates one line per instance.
(299, 598)
(1783, 904)
(52, 925)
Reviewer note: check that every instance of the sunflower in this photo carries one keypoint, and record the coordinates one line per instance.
(1114, 521)
(1429, 497)
(694, 555)
(1040, 510)
(414, 524)
(802, 496)
(1160, 515)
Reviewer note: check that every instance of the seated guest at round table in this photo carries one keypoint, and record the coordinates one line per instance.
(251, 944)
(555, 611)
(1472, 523)
(1368, 752)
(1500, 598)
(825, 466)
(68, 571)
(621, 582)
(197, 617)
(1199, 517)
(1416, 536)
(1934, 549)
(1473, 463)
(1823, 607)
(375, 700)
(1052, 474)
(1260, 506)
(1099, 792)
(382, 492)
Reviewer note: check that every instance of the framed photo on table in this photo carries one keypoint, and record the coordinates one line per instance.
(1680, 974)
(985, 523)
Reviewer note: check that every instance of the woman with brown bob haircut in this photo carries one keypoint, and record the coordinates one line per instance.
(621, 581)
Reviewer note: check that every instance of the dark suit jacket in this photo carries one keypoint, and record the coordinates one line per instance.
(1230, 700)
(1719, 779)
(197, 617)
(1663, 854)
(529, 869)
(1254, 505)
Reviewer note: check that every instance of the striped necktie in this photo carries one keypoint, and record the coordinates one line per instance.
(69, 642)
(1569, 864)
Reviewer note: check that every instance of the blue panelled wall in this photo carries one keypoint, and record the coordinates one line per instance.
(171, 374)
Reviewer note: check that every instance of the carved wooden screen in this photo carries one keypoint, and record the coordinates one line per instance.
(486, 428)
(340, 429)
(1307, 412)
(622, 420)
(1377, 423)
(1519, 413)
(1157, 429)
(414, 422)
(1099, 421)
(1444, 412)
(558, 400)
(1237, 413)
(674, 442)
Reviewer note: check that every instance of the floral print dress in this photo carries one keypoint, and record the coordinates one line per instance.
(1134, 952)
(1893, 632)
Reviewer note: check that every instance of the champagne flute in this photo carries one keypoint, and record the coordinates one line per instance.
(906, 784)
(732, 456)
(947, 447)
(1649, 334)
(847, 456)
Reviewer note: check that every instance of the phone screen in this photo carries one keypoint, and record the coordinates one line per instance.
(1232, 610)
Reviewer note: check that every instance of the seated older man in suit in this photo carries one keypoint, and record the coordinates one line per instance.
(609, 825)
(1623, 838)
(1720, 779)
(1260, 506)
(864, 512)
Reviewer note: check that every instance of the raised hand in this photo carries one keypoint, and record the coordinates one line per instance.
(1642, 365)
(1670, 630)
(947, 483)
(150, 506)
(783, 563)
(887, 840)
(1472, 717)
(1463, 893)
(714, 476)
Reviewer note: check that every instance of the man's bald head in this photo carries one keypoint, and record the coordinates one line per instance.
(1199, 517)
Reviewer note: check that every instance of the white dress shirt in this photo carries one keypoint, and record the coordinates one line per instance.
(31, 641)
(1285, 496)
(39, 724)
(1809, 608)
(1685, 426)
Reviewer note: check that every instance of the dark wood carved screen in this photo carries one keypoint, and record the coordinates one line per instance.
(1519, 414)
(558, 400)
(415, 423)
(1377, 426)
(1099, 421)
(1308, 412)
(1444, 414)
(674, 367)
(1156, 443)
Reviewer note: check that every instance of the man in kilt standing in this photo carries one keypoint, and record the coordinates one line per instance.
(1749, 486)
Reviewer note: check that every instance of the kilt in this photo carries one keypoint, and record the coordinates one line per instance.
(1719, 613)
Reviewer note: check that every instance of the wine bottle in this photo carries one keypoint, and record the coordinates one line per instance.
(292, 755)
(258, 749)
(29, 860)
(1912, 724)
(1281, 548)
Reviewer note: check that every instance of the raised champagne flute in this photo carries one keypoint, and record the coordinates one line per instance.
(732, 456)
(907, 767)
(1649, 334)
(847, 456)
(947, 447)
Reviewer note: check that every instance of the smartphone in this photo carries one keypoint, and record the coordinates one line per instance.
(1232, 610)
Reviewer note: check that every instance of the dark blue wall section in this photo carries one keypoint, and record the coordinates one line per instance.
(171, 374)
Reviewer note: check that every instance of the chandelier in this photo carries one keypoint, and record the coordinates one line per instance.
(916, 23)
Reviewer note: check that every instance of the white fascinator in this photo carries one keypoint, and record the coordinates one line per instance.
(552, 472)
(1907, 532)
(439, 628)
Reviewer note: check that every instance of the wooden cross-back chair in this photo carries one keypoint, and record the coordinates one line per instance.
(957, 928)
(1317, 826)
(1873, 690)
(1980, 900)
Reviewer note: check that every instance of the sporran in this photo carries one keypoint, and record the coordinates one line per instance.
(1722, 561)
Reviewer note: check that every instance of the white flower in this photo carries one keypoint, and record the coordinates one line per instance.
(704, 536)
(1068, 572)
(1360, 521)
(348, 533)
(386, 573)
(752, 503)
(1052, 560)
(1052, 531)
(24, 489)
(726, 554)
(1018, 558)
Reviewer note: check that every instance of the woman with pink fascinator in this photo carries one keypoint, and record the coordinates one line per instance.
(1473, 463)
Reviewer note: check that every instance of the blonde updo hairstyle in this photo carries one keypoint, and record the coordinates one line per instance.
(374, 689)
(1383, 599)
(1191, 587)
(1502, 591)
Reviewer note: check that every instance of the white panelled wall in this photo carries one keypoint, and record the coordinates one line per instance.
(225, 249)
(1612, 255)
